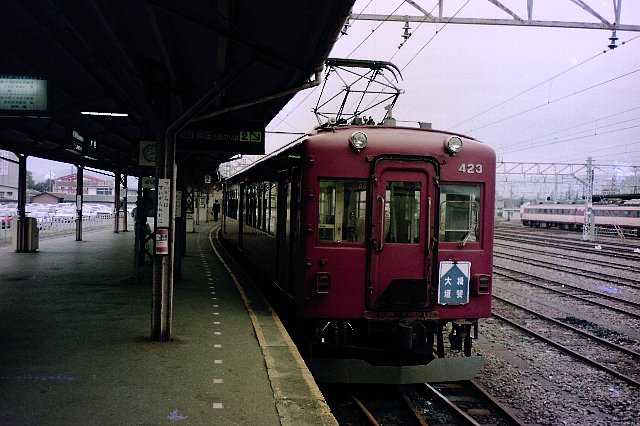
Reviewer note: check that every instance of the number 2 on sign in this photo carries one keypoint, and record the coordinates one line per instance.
(470, 168)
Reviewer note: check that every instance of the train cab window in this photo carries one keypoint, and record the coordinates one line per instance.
(460, 213)
(402, 221)
(342, 209)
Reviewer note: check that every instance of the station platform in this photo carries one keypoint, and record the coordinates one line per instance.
(75, 344)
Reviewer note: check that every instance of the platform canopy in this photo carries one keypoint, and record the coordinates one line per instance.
(152, 60)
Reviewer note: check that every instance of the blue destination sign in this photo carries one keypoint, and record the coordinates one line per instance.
(238, 137)
(453, 288)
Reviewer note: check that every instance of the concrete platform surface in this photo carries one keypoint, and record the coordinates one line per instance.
(75, 346)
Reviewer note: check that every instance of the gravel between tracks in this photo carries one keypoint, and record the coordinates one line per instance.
(547, 386)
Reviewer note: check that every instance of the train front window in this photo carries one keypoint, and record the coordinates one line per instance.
(342, 209)
(460, 213)
(402, 213)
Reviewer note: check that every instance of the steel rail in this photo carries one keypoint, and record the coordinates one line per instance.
(466, 417)
(603, 263)
(584, 299)
(364, 410)
(416, 413)
(620, 252)
(505, 411)
(572, 328)
(575, 271)
(571, 352)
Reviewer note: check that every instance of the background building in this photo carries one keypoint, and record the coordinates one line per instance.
(91, 185)
(8, 177)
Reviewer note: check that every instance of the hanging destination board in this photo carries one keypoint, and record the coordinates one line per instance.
(238, 137)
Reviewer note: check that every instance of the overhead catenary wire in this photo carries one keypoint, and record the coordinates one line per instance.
(538, 85)
(572, 139)
(599, 119)
(557, 100)
(593, 132)
(434, 36)
(438, 31)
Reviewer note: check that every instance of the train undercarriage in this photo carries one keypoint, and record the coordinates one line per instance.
(376, 351)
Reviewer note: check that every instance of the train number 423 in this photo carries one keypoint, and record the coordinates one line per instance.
(470, 168)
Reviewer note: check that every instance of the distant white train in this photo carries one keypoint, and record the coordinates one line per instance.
(624, 216)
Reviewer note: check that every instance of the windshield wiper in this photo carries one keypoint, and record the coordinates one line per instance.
(466, 238)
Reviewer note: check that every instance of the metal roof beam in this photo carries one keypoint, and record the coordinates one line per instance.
(555, 169)
(503, 22)
(505, 9)
(426, 17)
(261, 51)
(587, 8)
(89, 22)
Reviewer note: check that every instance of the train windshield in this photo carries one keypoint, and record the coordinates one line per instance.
(459, 213)
(402, 221)
(342, 210)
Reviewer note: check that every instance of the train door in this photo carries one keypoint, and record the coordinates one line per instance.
(402, 226)
(287, 234)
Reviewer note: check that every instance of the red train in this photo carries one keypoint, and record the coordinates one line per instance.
(381, 240)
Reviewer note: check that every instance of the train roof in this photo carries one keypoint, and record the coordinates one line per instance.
(580, 205)
(327, 135)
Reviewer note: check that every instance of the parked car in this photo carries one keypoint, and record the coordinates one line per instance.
(5, 221)
(44, 218)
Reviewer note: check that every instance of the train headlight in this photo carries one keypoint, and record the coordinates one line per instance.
(453, 145)
(358, 141)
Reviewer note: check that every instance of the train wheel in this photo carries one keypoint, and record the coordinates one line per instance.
(467, 341)
(440, 341)
(430, 339)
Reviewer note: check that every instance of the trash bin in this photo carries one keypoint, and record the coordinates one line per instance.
(26, 235)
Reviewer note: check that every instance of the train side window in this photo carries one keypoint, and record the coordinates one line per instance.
(273, 207)
(232, 203)
(460, 213)
(342, 207)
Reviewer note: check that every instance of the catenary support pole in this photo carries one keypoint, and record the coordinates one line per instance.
(21, 233)
(79, 192)
(162, 287)
(116, 204)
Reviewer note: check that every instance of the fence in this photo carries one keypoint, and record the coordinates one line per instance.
(58, 226)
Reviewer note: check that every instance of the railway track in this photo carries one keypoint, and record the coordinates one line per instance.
(606, 263)
(626, 251)
(572, 291)
(459, 403)
(565, 235)
(616, 360)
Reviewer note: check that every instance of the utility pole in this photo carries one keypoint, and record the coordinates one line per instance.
(589, 228)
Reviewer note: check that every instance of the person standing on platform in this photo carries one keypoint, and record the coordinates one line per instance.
(216, 210)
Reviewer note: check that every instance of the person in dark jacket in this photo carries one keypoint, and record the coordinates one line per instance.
(216, 211)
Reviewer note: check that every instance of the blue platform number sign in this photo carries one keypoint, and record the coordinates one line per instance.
(453, 287)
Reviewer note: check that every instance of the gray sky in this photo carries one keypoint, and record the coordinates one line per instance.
(460, 79)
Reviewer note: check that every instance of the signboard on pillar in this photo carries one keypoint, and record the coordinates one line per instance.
(164, 203)
(178, 203)
(148, 182)
(162, 241)
(239, 137)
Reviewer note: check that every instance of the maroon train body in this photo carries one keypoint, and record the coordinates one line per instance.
(381, 239)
